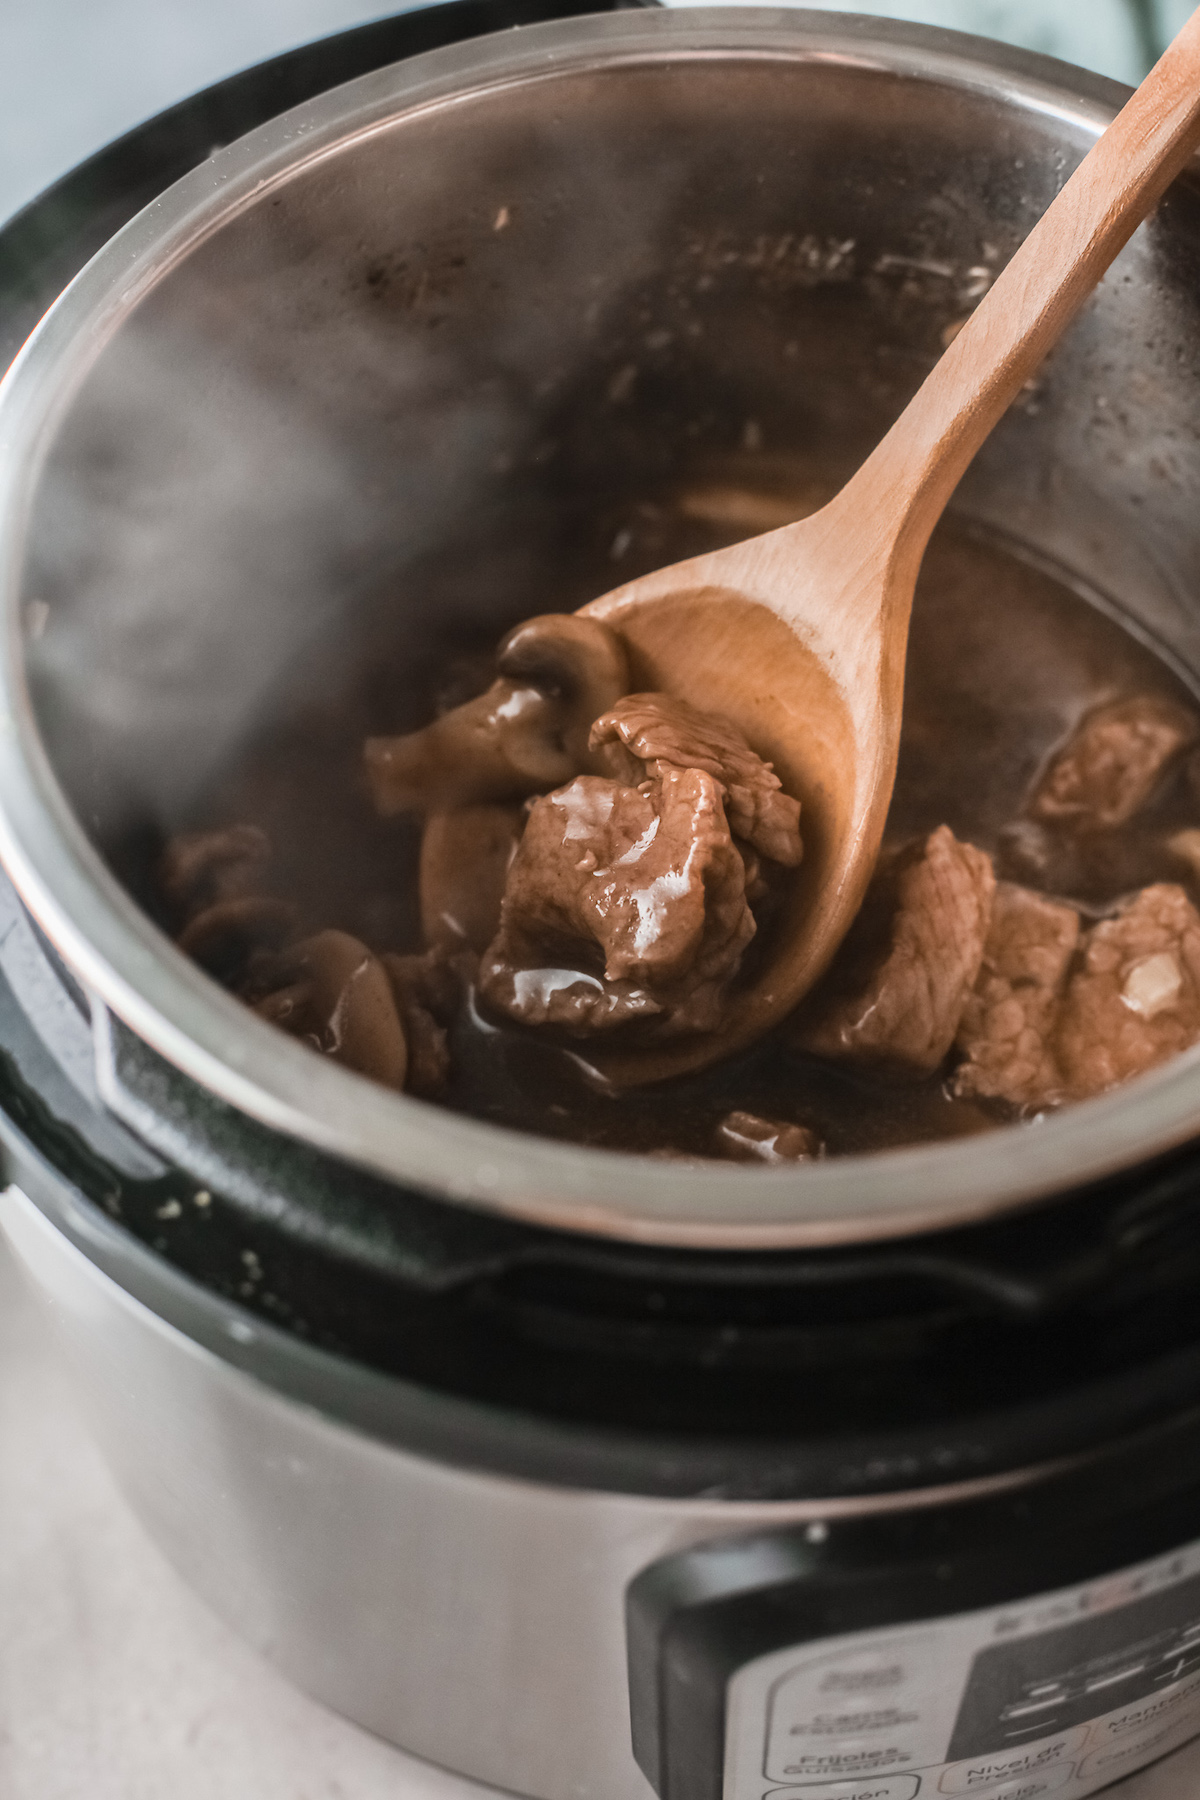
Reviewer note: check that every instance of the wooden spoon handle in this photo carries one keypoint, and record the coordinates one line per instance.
(901, 490)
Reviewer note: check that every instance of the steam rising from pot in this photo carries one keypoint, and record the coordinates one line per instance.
(254, 477)
(209, 523)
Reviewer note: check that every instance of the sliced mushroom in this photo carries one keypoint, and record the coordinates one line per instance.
(208, 865)
(466, 854)
(579, 662)
(212, 884)
(528, 733)
(222, 936)
(341, 999)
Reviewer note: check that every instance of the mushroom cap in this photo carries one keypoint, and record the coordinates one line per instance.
(527, 734)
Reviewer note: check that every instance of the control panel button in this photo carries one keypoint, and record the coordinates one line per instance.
(1031, 1787)
(1135, 1751)
(984, 1773)
(853, 1714)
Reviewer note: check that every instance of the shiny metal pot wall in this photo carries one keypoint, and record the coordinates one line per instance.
(476, 306)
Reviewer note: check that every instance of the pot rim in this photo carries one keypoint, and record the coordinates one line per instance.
(129, 966)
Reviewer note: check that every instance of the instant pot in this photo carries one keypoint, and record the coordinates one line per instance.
(576, 1472)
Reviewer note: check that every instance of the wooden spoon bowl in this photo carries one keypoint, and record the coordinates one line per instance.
(726, 653)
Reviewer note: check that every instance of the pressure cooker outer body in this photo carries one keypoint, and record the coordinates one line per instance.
(1017, 1634)
(571, 1512)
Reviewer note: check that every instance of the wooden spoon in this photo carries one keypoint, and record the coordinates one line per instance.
(799, 635)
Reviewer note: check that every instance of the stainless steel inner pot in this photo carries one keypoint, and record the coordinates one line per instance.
(485, 299)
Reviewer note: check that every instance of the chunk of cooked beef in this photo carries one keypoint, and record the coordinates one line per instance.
(1008, 1023)
(1111, 764)
(1134, 998)
(645, 735)
(897, 993)
(622, 903)
(747, 1137)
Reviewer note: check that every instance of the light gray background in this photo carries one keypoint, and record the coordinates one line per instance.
(115, 1684)
(76, 73)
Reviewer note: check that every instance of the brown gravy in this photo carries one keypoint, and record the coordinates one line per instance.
(1004, 660)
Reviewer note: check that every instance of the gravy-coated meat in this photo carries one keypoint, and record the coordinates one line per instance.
(1134, 999)
(622, 903)
(1112, 762)
(1007, 1028)
(897, 1001)
(1057, 1015)
(660, 733)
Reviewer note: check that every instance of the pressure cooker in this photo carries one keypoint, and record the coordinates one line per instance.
(576, 1472)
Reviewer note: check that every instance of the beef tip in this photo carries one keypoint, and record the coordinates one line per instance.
(466, 854)
(1134, 998)
(1112, 762)
(745, 1137)
(1007, 1029)
(622, 903)
(336, 996)
(896, 993)
(657, 734)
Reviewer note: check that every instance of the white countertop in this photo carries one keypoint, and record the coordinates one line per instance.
(117, 1684)
(76, 73)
